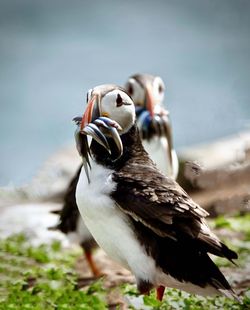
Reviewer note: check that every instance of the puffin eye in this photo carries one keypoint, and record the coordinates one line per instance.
(160, 89)
(119, 100)
(130, 90)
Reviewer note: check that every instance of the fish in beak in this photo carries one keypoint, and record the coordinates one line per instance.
(82, 146)
(88, 127)
(99, 128)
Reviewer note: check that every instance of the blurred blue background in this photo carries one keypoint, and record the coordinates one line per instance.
(51, 52)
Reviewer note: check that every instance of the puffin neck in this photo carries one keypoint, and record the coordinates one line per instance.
(147, 129)
(132, 146)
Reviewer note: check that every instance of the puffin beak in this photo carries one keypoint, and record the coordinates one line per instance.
(91, 129)
(149, 101)
(91, 123)
(87, 116)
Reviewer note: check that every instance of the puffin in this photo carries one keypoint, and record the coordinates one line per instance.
(140, 217)
(153, 121)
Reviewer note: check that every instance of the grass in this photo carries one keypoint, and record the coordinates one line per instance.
(238, 239)
(239, 223)
(44, 277)
(175, 299)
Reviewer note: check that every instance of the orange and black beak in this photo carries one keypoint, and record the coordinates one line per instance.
(87, 116)
(88, 127)
(149, 100)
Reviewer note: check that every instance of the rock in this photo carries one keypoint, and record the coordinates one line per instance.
(218, 174)
(54, 176)
(50, 182)
(32, 220)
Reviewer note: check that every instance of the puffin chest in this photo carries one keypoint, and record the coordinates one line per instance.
(94, 198)
(98, 209)
(109, 226)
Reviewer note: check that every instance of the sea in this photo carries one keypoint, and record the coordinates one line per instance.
(53, 51)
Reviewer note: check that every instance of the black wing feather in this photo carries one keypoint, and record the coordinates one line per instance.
(69, 214)
(164, 207)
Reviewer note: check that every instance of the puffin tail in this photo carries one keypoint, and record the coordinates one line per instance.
(53, 228)
(216, 247)
(57, 226)
(57, 212)
(219, 281)
(229, 254)
(230, 294)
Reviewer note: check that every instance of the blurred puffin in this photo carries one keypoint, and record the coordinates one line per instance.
(147, 92)
(142, 219)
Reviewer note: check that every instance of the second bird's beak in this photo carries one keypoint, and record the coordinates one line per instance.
(149, 100)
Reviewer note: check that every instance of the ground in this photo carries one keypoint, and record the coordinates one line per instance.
(41, 269)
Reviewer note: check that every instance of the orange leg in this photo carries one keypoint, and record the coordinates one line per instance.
(160, 292)
(96, 272)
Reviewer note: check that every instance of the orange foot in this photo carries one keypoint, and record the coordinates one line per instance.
(160, 292)
(95, 270)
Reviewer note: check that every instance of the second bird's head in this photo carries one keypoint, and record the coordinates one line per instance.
(147, 92)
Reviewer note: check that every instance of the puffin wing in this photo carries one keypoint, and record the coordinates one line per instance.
(164, 207)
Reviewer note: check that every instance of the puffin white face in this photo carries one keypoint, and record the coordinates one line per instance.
(147, 91)
(110, 112)
(112, 102)
(158, 90)
(136, 90)
(118, 106)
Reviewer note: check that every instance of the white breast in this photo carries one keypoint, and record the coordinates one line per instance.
(108, 225)
(157, 148)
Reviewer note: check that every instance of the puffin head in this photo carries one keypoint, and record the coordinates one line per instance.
(147, 92)
(110, 113)
(110, 101)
